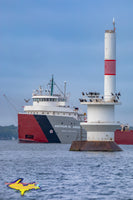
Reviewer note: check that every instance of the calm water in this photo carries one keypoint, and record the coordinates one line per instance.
(66, 175)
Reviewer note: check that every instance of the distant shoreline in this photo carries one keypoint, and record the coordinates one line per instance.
(8, 132)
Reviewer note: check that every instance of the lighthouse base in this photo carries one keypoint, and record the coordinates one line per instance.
(94, 146)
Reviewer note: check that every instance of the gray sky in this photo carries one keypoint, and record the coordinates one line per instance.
(39, 38)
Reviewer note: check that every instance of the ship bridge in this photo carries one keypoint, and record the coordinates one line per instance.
(50, 103)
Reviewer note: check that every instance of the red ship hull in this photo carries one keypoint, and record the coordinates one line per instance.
(32, 128)
(29, 130)
(36, 128)
(124, 137)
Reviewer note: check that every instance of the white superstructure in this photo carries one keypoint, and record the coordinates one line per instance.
(51, 104)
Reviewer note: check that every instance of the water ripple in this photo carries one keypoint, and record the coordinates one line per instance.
(66, 175)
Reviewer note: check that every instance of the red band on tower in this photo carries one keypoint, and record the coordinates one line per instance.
(110, 67)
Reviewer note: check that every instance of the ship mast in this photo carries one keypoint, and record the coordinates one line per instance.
(52, 85)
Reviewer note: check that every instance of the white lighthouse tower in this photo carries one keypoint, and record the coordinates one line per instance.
(110, 63)
(101, 124)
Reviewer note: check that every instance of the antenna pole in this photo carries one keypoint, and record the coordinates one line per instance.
(52, 85)
(114, 24)
(64, 89)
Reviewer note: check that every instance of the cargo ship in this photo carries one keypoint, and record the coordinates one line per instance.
(50, 119)
(124, 135)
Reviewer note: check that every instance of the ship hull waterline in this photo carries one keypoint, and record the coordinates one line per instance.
(44, 129)
(49, 129)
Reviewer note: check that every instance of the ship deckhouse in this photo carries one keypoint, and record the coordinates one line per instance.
(50, 103)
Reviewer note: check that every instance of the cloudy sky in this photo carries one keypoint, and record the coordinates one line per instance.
(39, 38)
